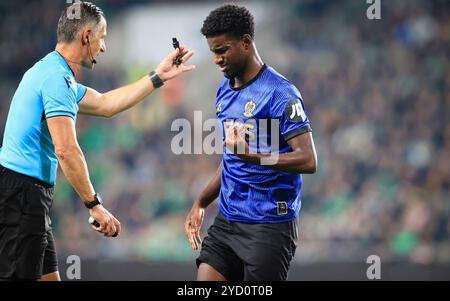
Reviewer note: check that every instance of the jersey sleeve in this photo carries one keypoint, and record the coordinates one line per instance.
(59, 94)
(81, 92)
(288, 108)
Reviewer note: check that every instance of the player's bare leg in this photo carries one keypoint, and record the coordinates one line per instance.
(208, 273)
(51, 277)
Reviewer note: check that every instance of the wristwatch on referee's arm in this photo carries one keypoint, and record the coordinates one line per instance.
(97, 201)
(156, 80)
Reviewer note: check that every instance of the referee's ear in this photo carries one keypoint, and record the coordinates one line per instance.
(85, 36)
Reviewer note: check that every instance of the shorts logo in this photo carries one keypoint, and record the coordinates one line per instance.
(250, 106)
(219, 108)
(38, 186)
(282, 208)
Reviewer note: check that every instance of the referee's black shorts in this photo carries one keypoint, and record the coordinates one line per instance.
(250, 252)
(27, 248)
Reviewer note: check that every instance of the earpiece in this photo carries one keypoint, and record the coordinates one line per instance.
(90, 51)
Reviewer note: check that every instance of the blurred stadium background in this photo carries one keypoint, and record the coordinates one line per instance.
(377, 93)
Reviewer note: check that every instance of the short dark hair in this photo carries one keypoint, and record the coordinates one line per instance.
(229, 19)
(75, 17)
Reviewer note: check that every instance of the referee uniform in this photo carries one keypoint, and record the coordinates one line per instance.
(28, 167)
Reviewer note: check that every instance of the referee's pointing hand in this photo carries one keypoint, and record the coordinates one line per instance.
(168, 70)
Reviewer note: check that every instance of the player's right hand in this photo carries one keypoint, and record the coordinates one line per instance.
(235, 139)
(193, 224)
(109, 225)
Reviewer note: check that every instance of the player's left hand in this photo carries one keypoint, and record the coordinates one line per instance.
(192, 225)
(235, 139)
(168, 70)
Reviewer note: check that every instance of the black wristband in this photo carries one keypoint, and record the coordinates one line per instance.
(156, 80)
(97, 201)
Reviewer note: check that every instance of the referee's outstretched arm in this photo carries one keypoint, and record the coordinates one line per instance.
(81, 42)
(118, 100)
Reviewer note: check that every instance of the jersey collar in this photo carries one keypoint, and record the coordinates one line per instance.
(65, 62)
(231, 82)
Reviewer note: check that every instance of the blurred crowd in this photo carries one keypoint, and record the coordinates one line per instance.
(377, 93)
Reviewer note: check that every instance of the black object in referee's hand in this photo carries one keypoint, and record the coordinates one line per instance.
(94, 223)
(176, 45)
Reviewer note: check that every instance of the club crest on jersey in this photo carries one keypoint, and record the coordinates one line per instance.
(250, 106)
(219, 108)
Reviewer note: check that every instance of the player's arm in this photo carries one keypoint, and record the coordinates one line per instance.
(211, 191)
(302, 159)
(73, 164)
(194, 219)
(113, 102)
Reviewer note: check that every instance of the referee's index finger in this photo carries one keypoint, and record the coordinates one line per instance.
(184, 48)
(182, 51)
(186, 56)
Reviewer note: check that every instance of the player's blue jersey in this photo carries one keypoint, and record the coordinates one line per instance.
(48, 89)
(268, 105)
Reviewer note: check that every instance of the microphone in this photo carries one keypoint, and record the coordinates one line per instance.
(90, 52)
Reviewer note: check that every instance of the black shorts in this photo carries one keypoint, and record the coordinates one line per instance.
(27, 247)
(253, 252)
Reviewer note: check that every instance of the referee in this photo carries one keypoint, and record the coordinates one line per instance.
(40, 132)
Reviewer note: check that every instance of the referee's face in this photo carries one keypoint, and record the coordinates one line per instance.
(229, 54)
(97, 42)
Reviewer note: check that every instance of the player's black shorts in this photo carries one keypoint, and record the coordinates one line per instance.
(27, 248)
(253, 252)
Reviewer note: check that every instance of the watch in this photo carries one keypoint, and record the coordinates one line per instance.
(156, 80)
(97, 201)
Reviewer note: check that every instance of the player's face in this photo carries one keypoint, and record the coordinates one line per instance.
(229, 54)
